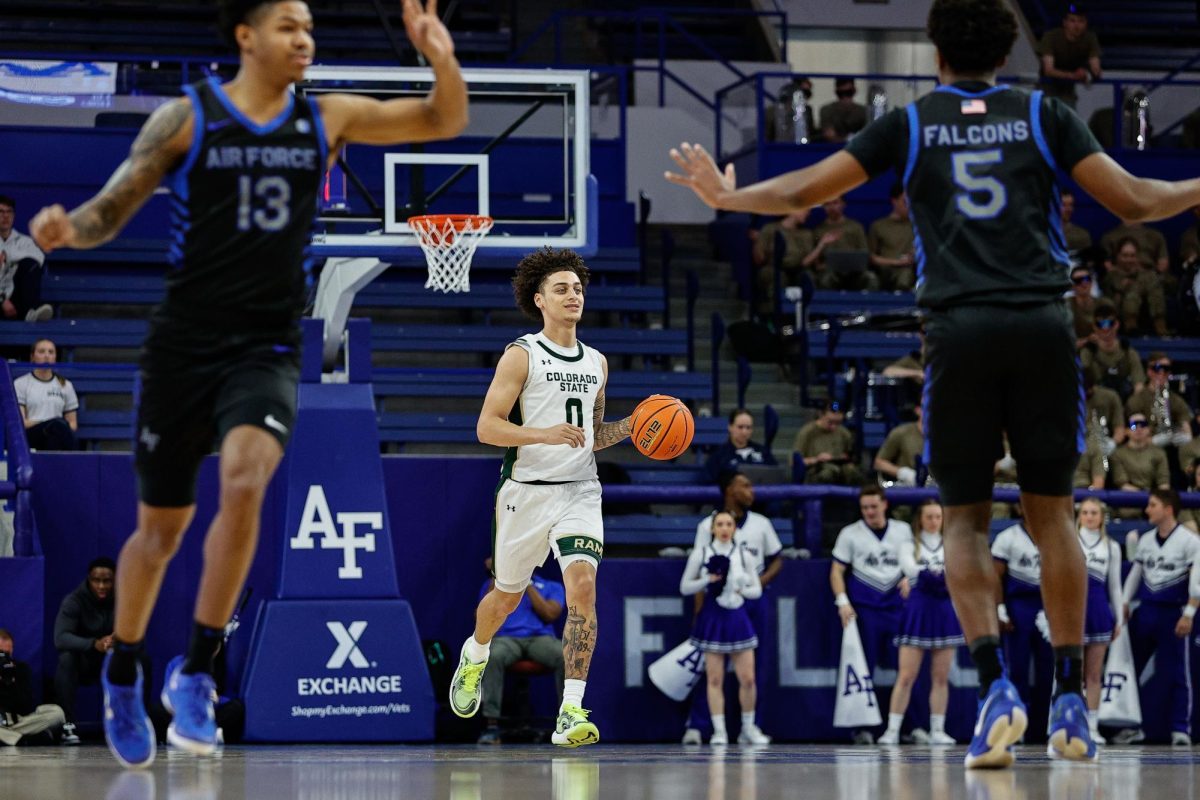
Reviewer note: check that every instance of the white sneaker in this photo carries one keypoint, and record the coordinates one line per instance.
(39, 314)
(941, 739)
(720, 737)
(1129, 736)
(1180, 739)
(889, 737)
(863, 737)
(1096, 737)
(692, 736)
(921, 736)
(752, 734)
(69, 736)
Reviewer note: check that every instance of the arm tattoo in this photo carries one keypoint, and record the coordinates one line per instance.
(150, 159)
(607, 433)
(579, 642)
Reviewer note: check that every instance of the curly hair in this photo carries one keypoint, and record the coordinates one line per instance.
(533, 270)
(973, 36)
(237, 12)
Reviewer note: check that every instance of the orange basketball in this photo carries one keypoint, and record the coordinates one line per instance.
(661, 427)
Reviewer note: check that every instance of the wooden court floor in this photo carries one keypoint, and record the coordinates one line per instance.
(637, 772)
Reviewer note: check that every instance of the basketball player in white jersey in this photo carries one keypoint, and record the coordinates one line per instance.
(546, 406)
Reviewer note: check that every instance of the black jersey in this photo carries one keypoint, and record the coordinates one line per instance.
(243, 205)
(978, 163)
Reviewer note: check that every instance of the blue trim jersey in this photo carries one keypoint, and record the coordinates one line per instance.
(1016, 549)
(243, 205)
(978, 163)
(874, 561)
(1167, 565)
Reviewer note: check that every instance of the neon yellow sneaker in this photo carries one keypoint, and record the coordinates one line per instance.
(466, 692)
(573, 728)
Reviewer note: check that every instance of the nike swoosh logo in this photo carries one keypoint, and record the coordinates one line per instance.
(275, 424)
(218, 125)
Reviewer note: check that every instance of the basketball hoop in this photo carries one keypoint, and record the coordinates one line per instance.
(449, 242)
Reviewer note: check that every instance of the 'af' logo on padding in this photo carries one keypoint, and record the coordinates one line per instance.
(347, 645)
(317, 519)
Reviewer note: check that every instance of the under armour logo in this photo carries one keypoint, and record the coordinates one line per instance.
(317, 519)
(511, 508)
(347, 645)
(149, 439)
(546, 362)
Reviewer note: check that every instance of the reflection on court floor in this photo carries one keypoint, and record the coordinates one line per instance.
(661, 772)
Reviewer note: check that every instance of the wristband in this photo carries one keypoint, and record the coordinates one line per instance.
(841, 600)
(1002, 612)
(1189, 611)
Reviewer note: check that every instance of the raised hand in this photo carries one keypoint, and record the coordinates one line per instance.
(426, 31)
(52, 228)
(700, 173)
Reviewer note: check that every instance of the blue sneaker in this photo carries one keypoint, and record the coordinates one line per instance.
(1070, 737)
(127, 727)
(190, 699)
(1000, 723)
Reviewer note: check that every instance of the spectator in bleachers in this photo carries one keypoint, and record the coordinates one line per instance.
(1189, 242)
(720, 570)
(760, 548)
(876, 588)
(890, 242)
(48, 402)
(1070, 55)
(927, 624)
(1078, 238)
(1019, 565)
(843, 118)
(1190, 517)
(1153, 254)
(1109, 359)
(1106, 414)
(1139, 465)
(798, 252)
(83, 635)
(1105, 608)
(21, 267)
(1081, 302)
(527, 633)
(738, 449)
(912, 366)
(1189, 452)
(840, 233)
(1169, 415)
(1135, 288)
(781, 125)
(827, 447)
(896, 459)
(1092, 470)
(22, 721)
(1165, 579)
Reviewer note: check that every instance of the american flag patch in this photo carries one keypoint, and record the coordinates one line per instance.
(975, 106)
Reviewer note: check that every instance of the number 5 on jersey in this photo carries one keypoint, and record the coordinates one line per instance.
(975, 185)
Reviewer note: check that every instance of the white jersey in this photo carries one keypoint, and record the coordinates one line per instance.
(1103, 557)
(43, 400)
(874, 559)
(755, 535)
(928, 554)
(1015, 547)
(1167, 564)
(740, 582)
(561, 387)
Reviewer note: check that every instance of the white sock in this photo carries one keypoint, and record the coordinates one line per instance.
(1093, 718)
(747, 719)
(937, 723)
(894, 722)
(476, 652)
(718, 721)
(573, 692)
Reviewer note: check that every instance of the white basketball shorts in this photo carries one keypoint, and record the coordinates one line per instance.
(531, 520)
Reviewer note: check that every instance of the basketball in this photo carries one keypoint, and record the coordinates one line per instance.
(661, 427)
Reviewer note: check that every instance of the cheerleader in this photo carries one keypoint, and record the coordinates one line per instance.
(928, 623)
(723, 626)
(1105, 605)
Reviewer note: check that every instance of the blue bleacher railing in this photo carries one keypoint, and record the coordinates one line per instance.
(20, 469)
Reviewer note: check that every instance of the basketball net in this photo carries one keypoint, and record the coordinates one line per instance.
(449, 242)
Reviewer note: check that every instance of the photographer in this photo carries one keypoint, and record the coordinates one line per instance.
(22, 722)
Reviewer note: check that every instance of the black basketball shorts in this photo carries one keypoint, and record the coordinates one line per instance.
(995, 370)
(189, 399)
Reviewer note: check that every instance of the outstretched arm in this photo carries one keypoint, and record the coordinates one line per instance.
(162, 143)
(606, 433)
(1132, 198)
(804, 188)
(441, 114)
